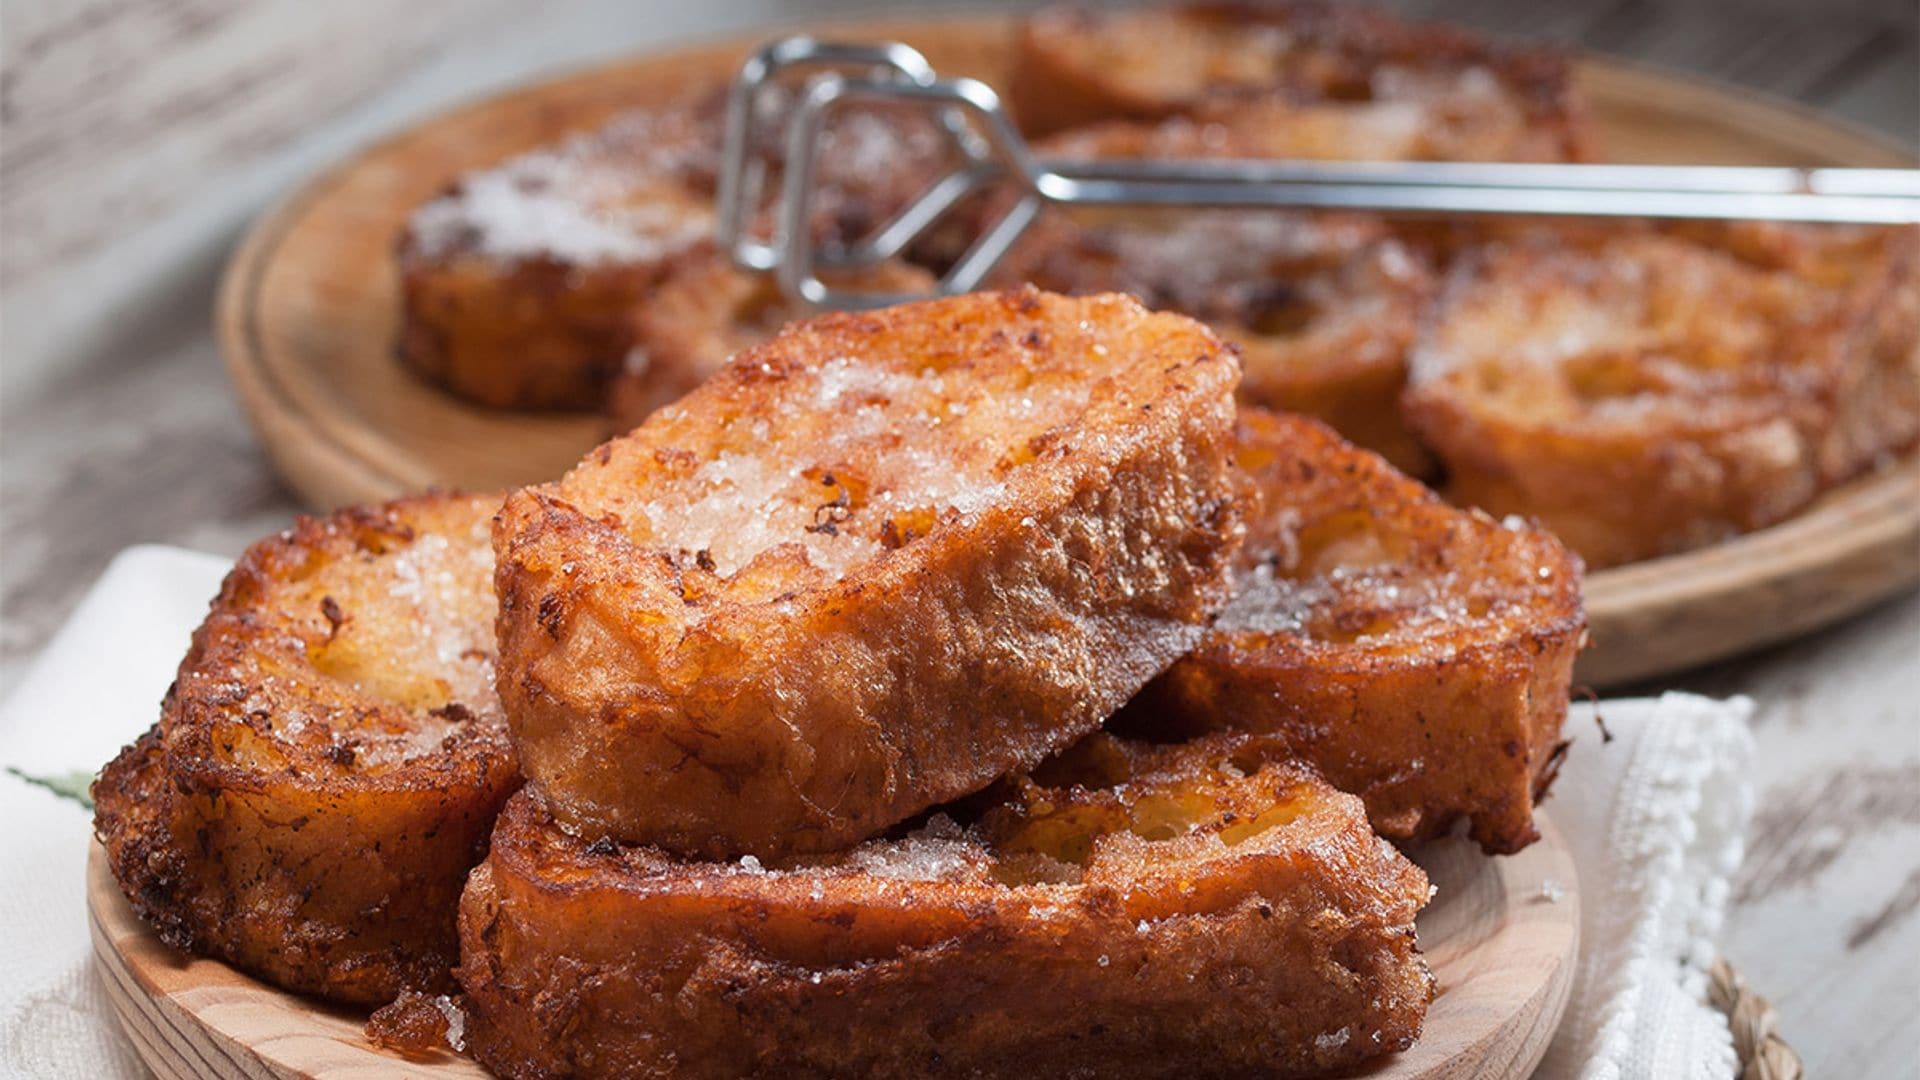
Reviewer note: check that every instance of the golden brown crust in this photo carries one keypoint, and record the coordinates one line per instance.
(1323, 308)
(1649, 391)
(329, 759)
(871, 565)
(521, 284)
(1418, 655)
(1182, 911)
(539, 335)
(1876, 406)
(1434, 91)
(703, 313)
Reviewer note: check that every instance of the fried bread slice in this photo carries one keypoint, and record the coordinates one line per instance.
(1650, 391)
(870, 566)
(1354, 67)
(1128, 911)
(1878, 409)
(1418, 655)
(704, 312)
(329, 761)
(1323, 308)
(521, 283)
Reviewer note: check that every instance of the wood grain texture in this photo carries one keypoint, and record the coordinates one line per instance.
(1853, 548)
(1501, 936)
(1820, 916)
(309, 312)
(203, 83)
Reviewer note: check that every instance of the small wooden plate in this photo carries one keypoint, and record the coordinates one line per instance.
(1501, 936)
(308, 315)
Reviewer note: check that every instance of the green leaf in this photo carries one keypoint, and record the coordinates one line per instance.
(71, 786)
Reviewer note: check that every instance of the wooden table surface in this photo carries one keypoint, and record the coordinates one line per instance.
(137, 137)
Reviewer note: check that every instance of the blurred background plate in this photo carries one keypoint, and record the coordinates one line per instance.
(309, 310)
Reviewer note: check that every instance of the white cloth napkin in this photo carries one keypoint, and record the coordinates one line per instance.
(1655, 818)
(1656, 821)
(95, 688)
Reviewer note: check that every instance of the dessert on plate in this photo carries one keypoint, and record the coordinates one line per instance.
(807, 675)
(1647, 391)
(330, 758)
(1326, 308)
(522, 283)
(1416, 654)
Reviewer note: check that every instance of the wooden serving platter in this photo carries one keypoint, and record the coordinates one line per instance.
(308, 314)
(1501, 936)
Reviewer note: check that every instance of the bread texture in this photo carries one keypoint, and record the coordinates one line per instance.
(704, 312)
(329, 760)
(870, 566)
(1326, 72)
(1648, 391)
(1418, 655)
(1125, 911)
(1323, 308)
(519, 283)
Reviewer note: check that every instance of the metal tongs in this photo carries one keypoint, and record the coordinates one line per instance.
(991, 152)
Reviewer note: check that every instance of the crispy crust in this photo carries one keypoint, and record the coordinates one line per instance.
(521, 284)
(329, 760)
(518, 284)
(870, 566)
(1175, 911)
(1323, 308)
(1351, 68)
(537, 335)
(1876, 407)
(1645, 392)
(1418, 655)
(703, 313)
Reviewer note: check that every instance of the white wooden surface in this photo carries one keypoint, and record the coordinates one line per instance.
(138, 136)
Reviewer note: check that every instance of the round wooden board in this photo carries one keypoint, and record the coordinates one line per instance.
(1501, 936)
(308, 314)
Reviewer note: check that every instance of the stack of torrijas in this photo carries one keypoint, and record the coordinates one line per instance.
(808, 676)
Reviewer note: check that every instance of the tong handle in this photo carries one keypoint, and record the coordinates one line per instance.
(992, 151)
(1877, 196)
